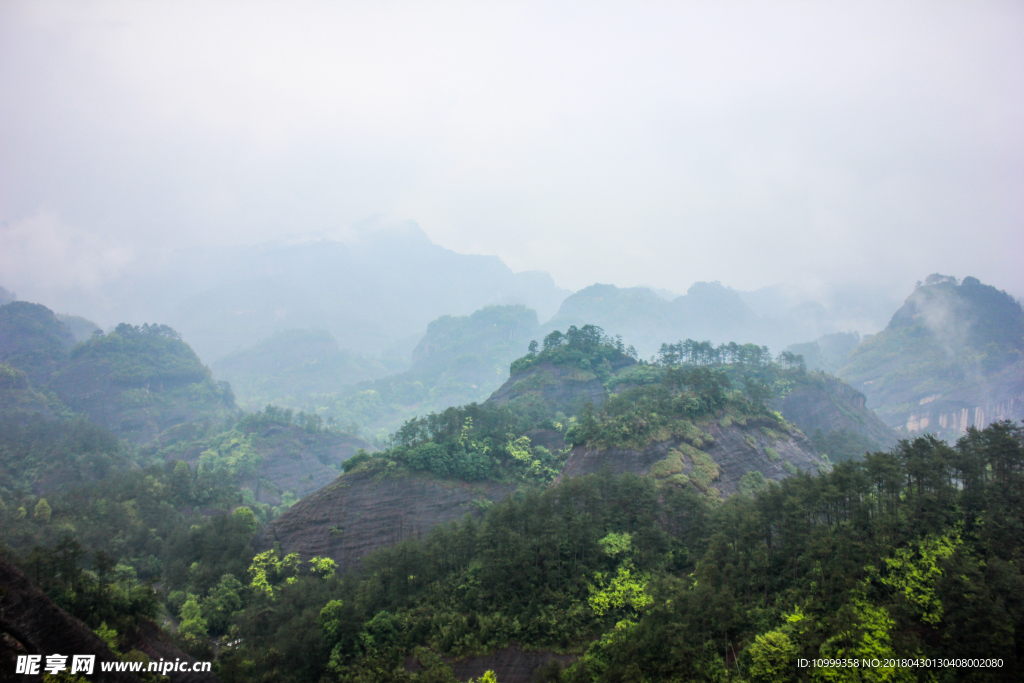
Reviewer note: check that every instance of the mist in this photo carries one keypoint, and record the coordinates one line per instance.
(817, 149)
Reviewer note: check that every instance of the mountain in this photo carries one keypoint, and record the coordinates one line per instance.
(374, 293)
(81, 329)
(134, 381)
(138, 381)
(33, 340)
(460, 359)
(951, 357)
(708, 311)
(835, 416)
(829, 352)
(578, 406)
(292, 366)
(275, 457)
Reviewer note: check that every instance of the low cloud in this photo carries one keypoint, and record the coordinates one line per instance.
(42, 256)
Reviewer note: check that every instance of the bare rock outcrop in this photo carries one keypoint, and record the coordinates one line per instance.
(562, 387)
(740, 449)
(585, 459)
(721, 461)
(362, 511)
(831, 405)
(30, 623)
(38, 627)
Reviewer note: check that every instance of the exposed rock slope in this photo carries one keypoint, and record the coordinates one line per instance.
(361, 512)
(952, 357)
(716, 464)
(562, 388)
(826, 404)
(290, 457)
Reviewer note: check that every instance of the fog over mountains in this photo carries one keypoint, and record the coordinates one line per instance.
(376, 293)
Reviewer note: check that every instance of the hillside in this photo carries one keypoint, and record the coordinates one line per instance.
(138, 381)
(39, 625)
(835, 416)
(598, 518)
(708, 310)
(134, 381)
(33, 340)
(951, 357)
(683, 426)
(460, 360)
(273, 456)
(292, 367)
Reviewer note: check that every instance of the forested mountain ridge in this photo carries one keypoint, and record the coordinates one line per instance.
(138, 381)
(580, 404)
(951, 357)
(374, 291)
(144, 385)
(135, 381)
(708, 310)
(459, 360)
(904, 557)
(599, 529)
(33, 340)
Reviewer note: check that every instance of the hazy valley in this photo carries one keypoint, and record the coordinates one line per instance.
(543, 495)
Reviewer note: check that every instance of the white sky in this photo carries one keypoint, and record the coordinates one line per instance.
(656, 143)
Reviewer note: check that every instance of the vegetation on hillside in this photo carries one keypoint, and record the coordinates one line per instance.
(911, 554)
(952, 344)
(33, 340)
(460, 360)
(470, 443)
(586, 348)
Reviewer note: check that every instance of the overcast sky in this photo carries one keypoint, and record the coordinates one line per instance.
(632, 143)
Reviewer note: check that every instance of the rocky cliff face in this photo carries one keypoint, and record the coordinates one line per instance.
(827, 404)
(950, 418)
(562, 387)
(30, 623)
(293, 459)
(951, 358)
(729, 451)
(361, 512)
(754, 447)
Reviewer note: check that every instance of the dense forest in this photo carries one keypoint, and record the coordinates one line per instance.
(691, 567)
(911, 554)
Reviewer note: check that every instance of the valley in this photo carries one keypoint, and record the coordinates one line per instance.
(536, 499)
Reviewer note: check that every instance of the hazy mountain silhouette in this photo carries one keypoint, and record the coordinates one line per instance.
(375, 294)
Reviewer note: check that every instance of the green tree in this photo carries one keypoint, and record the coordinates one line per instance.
(772, 656)
(193, 626)
(42, 511)
(222, 602)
